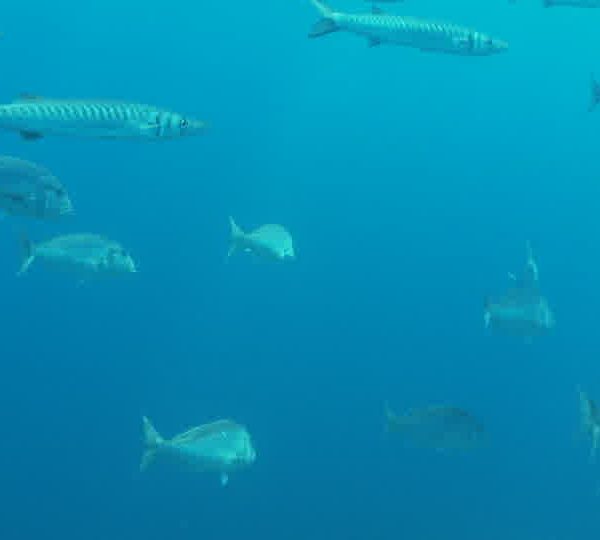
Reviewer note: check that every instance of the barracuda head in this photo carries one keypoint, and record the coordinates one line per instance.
(494, 46)
(175, 125)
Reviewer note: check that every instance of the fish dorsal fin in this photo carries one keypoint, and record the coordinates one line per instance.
(29, 97)
(218, 428)
(377, 11)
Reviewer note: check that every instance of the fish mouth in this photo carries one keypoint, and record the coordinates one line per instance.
(500, 45)
(196, 126)
(67, 209)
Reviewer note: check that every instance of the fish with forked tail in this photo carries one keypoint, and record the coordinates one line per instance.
(272, 242)
(87, 255)
(521, 310)
(430, 36)
(222, 446)
(438, 427)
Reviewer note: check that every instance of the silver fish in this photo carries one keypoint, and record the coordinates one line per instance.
(572, 3)
(268, 241)
(34, 117)
(222, 446)
(439, 427)
(88, 255)
(522, 310)
(590, 420)
(27, 189)
(422, 34)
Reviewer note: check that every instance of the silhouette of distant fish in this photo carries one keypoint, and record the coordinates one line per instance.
(430, 36)
(222, 446)
(438, 427)
(27, 189)
(35, 117)
(590, 420)
(595, 93)
(522, 310)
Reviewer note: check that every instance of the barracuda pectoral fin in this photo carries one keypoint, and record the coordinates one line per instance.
(31, 135)
(224, 479)
(465, 43)
(322, 28)
(149, 130)
(374, 42)
(377, 11)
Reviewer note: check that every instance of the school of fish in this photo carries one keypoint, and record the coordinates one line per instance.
(222, 446)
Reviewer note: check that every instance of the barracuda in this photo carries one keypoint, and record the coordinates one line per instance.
(573, 3)
(35, 117)
(422, 34)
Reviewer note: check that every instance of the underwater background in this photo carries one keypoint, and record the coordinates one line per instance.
(410, 182)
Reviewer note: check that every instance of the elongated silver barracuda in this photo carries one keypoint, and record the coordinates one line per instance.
(422, 34)
(35, 117)
(573, 3)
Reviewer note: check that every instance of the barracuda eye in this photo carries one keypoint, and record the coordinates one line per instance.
(183, 124)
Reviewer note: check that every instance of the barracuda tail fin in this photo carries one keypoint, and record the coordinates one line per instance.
(326, 25)
(28, 254)
(392, 422)
(595, 93)
(237, 236)
(152, 443)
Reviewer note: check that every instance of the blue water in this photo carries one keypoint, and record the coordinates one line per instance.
(410, 182)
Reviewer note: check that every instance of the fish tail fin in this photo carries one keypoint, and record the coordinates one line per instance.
(152, 442)
(326, 24)
(487, 313)
(391, 419)
(27, 254)
(237, 235)
(595, 442)
(595, 93)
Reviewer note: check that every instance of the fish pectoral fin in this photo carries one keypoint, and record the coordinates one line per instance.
(377, 11)
(374, 42)
(31, 135)
(224, 479)
(322, 28)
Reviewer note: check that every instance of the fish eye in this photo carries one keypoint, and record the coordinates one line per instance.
(183, 124)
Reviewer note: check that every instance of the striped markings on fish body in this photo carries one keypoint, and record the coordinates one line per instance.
(379, 27)
(35, 117)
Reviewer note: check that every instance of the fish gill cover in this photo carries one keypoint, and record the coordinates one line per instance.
(405, 158)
